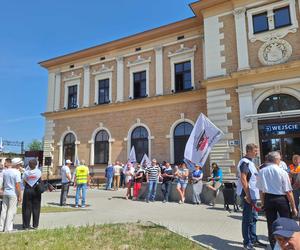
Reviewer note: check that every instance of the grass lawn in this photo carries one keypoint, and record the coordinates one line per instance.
(114, 236)
(48, 209)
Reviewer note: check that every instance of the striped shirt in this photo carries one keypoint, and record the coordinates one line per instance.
(153, 172)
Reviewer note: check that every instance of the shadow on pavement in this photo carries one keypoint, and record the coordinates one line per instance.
(118, 197)
(239, 217)
(218, 243)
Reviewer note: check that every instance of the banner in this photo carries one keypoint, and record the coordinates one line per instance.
(145, 162)
(203, 137)
(132, 157)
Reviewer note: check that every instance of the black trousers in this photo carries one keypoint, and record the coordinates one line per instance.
(64, 194)
(31, 205)
(275, 205)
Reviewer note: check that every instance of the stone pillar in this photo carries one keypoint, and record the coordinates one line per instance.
(159, 70)
(86, 85)
(241, 38)
(92, 150)
(213, 48)
(120, 79)
(51, 92)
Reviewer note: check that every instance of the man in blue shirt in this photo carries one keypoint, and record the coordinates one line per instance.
(109, 175)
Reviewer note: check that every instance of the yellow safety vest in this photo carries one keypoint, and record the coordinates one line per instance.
(82, 173)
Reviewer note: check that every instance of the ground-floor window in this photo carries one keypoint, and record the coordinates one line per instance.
(139, 139)
(181, 135)
(69, 147)
(101, 151)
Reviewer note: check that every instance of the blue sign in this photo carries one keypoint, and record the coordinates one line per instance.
(281, 129)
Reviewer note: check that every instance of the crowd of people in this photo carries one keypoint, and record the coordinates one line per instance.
(153, 173)
(276, 186)
(20, 186)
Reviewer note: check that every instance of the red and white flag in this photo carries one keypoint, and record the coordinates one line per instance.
(202, 139)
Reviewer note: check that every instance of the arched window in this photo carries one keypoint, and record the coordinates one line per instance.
(181, 136)
(139, 139)
(278, 102)
(101, 152)
(69, 147)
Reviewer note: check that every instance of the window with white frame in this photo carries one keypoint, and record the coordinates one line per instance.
(139, 77)
(280, 15)
(182, 69)
(103, 91)
(71, 100)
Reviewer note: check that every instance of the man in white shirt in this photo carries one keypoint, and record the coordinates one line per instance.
(11, 196)
(276, 192)
(65, 182)
(117, 173)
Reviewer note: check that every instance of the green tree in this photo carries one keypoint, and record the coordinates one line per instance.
(35, 145)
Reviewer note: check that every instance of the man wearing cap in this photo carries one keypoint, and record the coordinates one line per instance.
(287, 233)
(65, 173)
(276, 192)
(11, 196)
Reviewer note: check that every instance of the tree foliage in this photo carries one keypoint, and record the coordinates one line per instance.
(35, 145)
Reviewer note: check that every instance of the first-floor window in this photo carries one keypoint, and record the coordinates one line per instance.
(103, 94)
(139, 139)
(181, 135)
(72, 97)
(69, 147)
(101, 147)
(139, 84)
(183, 76)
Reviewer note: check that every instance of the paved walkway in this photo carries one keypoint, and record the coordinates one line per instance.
(211, 226)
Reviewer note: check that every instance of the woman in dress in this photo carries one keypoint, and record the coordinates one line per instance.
(197, 176)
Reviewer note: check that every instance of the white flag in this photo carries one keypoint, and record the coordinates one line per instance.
(145, 161)
(203, 137)
(1, 145)
(132, 157)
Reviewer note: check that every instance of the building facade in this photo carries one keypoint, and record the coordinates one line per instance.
(236, 61)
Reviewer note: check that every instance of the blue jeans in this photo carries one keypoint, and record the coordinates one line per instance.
(80, 187)
(249, 220)
(108, 182)
(151, 190)
(166, 188)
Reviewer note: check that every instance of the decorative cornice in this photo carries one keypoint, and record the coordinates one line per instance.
(182, 50)
(73, 76)
(140, 60)
(103, 69)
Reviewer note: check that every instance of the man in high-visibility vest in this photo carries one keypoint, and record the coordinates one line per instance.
(82, 179)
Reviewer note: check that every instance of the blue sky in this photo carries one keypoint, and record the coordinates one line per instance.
(35, 30)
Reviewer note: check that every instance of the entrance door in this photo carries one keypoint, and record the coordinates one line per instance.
(283, 135)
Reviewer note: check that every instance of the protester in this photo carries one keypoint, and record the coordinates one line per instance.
(65, 173)
(117, 172)
(109, 175)
(122, 176)
(276, 192)
(129, 173)
(183, 176)
(249, 193)
(282, 164)
(215, 181)
(82, 180)
(295, 179)
(32, 195)
(167, 175)
(197, 176)
(11, 196)
(152, 176)
(138, 180)
(287, 233)
(294, 165)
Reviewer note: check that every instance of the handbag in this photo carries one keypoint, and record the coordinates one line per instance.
(39, 187)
